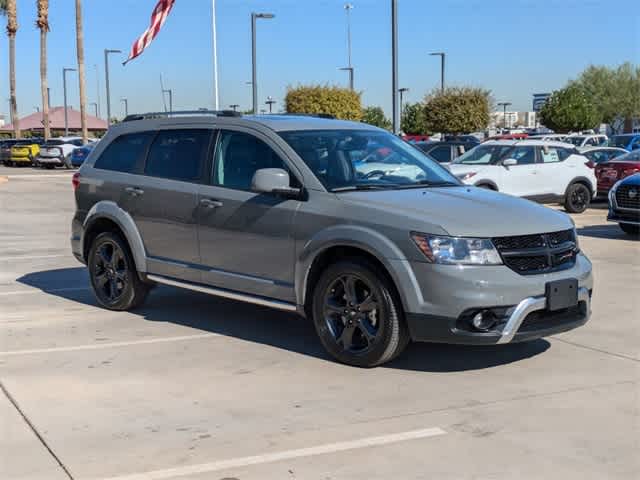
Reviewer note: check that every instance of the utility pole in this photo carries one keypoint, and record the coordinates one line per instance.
(254, 73)
(64, 86)
(106, 75)
(394, 66)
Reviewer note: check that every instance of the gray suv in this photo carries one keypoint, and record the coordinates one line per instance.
(339, 221)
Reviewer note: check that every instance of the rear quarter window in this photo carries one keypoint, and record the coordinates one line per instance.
(125, 152)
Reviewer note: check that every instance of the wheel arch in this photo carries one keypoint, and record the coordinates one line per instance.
(107, 216)
(584, 181)
(344, 242)
(489, 183)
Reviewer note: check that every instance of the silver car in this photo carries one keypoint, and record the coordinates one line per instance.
(284, 211)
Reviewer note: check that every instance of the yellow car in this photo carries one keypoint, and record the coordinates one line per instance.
(24, 152)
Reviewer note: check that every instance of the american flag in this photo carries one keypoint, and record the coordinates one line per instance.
(158, 17)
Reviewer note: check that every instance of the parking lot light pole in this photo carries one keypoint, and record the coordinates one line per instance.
(401, 92)
(126, 106)
(106, 78)
(95, 107)
(350, 70)
(64, 86)
(254, 73)
(442, 57)
(504, 106)
(170, 92)
(234, 106)
(270, 101)
(394, 66)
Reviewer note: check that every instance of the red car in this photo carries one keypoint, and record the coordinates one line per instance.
(610, 172)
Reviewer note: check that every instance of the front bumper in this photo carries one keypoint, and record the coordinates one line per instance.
(21, 159)
(50, 160)
(442, 295)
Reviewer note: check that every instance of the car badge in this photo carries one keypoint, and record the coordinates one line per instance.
(633, 193)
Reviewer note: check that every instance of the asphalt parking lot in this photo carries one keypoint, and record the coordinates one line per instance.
(196, 387)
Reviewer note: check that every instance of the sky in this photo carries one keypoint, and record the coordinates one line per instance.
(512, 48)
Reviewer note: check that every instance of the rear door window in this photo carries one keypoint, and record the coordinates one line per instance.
(524, 155)
(178, 154)
(125, 152)
(441, 153)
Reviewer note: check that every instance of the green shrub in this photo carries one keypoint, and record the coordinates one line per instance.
(375, 116)
(457, 110)
(342, 103)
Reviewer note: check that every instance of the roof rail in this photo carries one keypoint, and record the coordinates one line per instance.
(316, 115)
(148, 115)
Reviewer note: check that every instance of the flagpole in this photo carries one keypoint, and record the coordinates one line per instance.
(216, 100)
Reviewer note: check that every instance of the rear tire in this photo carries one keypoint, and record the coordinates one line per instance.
(577, 198)
(113, 273)
(630, 229)
(357, 315)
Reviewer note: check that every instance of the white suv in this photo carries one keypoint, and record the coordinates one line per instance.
(56, 151)
(587, 140)
(538, 170)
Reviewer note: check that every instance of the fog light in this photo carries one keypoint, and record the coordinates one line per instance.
(483, 320)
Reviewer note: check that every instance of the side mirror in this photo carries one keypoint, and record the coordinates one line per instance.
(509, 162)
(273, 180)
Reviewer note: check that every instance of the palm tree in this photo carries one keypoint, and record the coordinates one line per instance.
(42, 22)
(8, 8)
(81, 77)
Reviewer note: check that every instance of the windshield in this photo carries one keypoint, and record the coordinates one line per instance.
(619, 141)
(365, 159)
(577, 141)
(484, 155)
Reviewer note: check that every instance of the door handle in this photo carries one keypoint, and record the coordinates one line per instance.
(134, 191)
(210, 203)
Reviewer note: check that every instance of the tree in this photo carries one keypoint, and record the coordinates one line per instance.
(8, 8)
(457, 110)
(375, 116)
(342, 103)
(413, 120)
(81, 76)
(42, 22)
(615, 92)
(569, 109)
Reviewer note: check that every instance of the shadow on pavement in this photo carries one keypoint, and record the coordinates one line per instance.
(271, 327)
(609, 231)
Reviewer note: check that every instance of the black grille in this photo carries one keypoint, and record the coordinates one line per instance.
(626, 198)
(542, 319)
(539, 253)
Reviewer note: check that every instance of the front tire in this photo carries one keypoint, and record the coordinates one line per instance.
(577, 198)
(630, 229)
(113, 274)
(357, 316)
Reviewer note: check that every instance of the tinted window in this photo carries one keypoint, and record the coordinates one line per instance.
(441, 153)
(122, 154)
(524, 155)
(620, 141)
(238, 156)
(178, 154)
(484, 155)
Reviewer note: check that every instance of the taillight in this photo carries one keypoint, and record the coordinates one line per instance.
(590, 164)
(75, 180)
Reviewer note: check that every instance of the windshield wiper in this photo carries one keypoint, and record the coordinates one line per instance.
(353, 188)
(429, 183)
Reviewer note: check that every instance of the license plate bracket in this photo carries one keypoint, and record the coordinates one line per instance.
(562, 294)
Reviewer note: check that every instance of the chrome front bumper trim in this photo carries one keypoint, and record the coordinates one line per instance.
(532, 304)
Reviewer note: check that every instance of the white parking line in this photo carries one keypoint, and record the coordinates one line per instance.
(99, 346)
(32, 257)
(285, 455)
(53, 290)
(41, 175)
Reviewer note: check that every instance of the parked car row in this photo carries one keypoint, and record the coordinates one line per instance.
(36, 152)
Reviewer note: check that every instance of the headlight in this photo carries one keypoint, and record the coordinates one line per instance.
(466, 176)
(457, 251)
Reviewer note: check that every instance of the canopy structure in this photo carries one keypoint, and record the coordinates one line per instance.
(33, 123)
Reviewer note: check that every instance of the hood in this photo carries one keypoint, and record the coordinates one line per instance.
(460, 211)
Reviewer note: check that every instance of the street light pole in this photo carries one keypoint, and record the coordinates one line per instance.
(401, 91)
(95, 106)
(394, 66)
(348, 7)
(64, 86)
(442, 57)
(106, 76)
(97, 90)
(270, 101)
(504, 106)
(350, 70)
(49, 96)
(234, 106)
(254, 73)
(126, 106)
